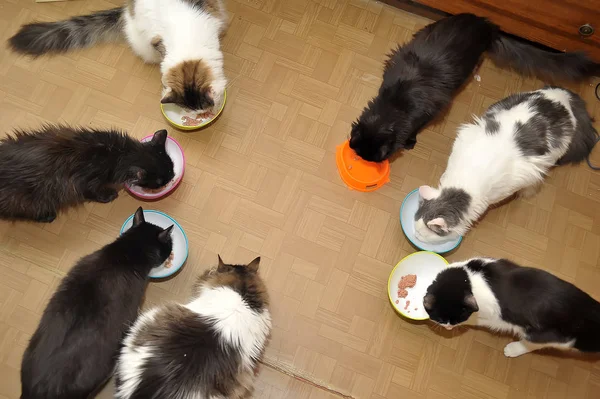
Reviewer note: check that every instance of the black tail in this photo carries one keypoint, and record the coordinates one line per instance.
(530, 60)
(77, 32)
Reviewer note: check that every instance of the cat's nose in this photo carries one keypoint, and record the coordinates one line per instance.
(448, 327)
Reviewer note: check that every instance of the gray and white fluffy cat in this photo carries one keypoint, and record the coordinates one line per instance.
(509, 149)
(532, 304)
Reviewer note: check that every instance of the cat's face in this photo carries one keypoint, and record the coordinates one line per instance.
(439, 213)
(449, 300)
(243, 279)
(192, 86)
(153, 168)
(158, 240)
(373, 138)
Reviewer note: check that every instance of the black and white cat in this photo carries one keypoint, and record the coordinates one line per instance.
(539, 308)
(74, 349)
(509, 149)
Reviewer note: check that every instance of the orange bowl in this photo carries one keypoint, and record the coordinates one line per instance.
(359, 174)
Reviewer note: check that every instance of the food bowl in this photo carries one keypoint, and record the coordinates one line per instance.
(175, 152)
(425, 265)
(359, 174)
(173, 113)
(180, 241)
(407, 221)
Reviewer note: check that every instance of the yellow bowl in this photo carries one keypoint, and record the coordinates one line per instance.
(426, 265)
(188, 128)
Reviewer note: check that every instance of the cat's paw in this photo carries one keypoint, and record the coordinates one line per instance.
(107, 197)
(47, 218)
(515, 349)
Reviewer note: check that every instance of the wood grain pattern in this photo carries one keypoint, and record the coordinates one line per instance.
(262, 181)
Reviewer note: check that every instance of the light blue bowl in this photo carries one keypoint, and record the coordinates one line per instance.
(407, 221)
(180, 241)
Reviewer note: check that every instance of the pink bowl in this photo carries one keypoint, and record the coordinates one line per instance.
(174, 151)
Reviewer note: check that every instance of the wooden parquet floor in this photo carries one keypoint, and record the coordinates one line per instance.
(262, 181)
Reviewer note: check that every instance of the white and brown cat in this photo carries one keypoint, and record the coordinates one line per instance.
(182, 35)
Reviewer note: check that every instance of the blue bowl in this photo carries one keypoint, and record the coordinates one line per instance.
(407, 221)
(180, 241)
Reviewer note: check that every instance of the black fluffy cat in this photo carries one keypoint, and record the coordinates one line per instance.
(75, 347)
(45, 171)
(541, 309)
(421, 77)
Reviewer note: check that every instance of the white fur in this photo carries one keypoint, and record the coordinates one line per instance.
(187, 34)
(234, 321)
(490, 167)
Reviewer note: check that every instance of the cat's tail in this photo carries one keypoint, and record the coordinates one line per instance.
(41, 38)
(533, 61)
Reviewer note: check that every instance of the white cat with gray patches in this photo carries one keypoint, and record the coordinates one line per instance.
(182, 35)
(509, 149)
(542, 310)
(208, 348)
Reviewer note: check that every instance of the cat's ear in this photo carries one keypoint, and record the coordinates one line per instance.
(428, 193)
(164, 235)
(222, 266)
(160, 138)
(137, 173)
(471, 303)
(428, 301)
(438, 224)
(169, 97)
(253, 266)
(138, 217)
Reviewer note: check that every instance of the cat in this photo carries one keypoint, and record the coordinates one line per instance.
(541, 309)
(509, 149)
(75, 347)
(421, 77)
(56, 167)
(182, 35)
(207, 348)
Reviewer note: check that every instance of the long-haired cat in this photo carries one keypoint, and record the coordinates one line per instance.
(75, 347)
(539, 308)
(182, 35)
(207, 348)
(509, 149)
(45, 171)
(421, 77)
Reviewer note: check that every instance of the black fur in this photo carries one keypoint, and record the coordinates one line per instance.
(41, 38)
(550, 310)
(421, 77)
(74, 349)
(56, 167)
(451, 205)
(585, 136)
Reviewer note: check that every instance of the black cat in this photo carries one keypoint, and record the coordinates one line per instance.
(75, 347)
(48, 170)
(421, 77)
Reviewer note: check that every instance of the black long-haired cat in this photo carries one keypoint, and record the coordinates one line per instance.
(48, 170)
(75, 347)
(539, 308)
(421, 77)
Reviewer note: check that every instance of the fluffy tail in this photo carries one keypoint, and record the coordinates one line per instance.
(41, 38)
(530, 60)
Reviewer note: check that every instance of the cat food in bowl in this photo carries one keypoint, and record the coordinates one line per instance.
(176, 154)
(409, 280)
(180, 242)
(187, 120)
(359, 174)
(407, 221)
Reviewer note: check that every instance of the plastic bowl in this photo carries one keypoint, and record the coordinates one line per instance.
(180, 241)
(407, 221)
(173, 114)
(425, 265)
(175, 152)
(359, 174)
